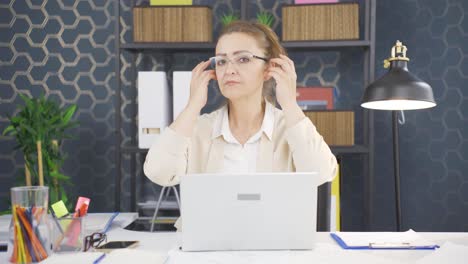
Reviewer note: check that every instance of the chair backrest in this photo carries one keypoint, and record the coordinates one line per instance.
(323, 207)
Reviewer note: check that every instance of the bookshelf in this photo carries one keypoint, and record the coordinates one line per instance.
(366, 44)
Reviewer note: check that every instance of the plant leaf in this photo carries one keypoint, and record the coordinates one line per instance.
(68, 114)
(8, 129)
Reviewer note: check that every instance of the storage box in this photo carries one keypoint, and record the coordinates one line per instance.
(181, 91)
(336, 127)
(153, 107)
(172, 24)
(170, 2)
(321, 22)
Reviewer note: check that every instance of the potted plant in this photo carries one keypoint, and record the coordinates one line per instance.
(226, 19)
(39, 128)
(265, 18)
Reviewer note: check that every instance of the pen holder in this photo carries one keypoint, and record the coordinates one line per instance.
(68, 234)
(29, 228)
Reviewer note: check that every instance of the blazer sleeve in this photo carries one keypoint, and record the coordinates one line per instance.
(309, 150)
(166, 160)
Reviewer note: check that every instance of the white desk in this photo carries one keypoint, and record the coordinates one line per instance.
(122, 220)
(327, 251)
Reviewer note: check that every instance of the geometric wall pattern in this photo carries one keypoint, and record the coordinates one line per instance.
(65, 49)
(433, 143)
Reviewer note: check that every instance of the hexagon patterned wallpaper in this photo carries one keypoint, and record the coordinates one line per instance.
(65, 49)
(433, 143)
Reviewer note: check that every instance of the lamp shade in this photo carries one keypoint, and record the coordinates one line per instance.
(398, 89)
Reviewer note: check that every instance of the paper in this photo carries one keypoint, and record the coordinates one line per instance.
(384, 239)
(71, 258)
(447, 253)
(60, 209)
(126, 256)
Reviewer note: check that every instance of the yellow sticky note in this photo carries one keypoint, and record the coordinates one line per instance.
(60, 209)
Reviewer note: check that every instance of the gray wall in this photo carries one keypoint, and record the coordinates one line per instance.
(65, 49)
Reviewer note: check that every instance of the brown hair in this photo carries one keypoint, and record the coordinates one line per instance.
(266, 39)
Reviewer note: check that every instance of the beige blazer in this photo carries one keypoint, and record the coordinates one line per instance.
(298, 148)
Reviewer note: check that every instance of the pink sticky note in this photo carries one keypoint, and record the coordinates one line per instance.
(81, 207)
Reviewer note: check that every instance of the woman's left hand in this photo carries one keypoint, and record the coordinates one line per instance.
(285, 76)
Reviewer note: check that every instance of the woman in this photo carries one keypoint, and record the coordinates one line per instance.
(248, 134)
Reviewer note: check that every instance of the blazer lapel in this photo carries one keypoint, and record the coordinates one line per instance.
(216, 156)
(265, 155)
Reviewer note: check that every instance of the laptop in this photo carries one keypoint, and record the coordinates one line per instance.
(257, 211)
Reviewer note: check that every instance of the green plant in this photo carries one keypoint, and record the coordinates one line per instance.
(39, 128)
(226, 19)
(265, 18)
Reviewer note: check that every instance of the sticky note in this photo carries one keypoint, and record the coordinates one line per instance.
(82, 205)
(60, 209)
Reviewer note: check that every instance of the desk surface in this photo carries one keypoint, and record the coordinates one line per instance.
(327, 251)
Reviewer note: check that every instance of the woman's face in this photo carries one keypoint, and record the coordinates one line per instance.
(239, 74)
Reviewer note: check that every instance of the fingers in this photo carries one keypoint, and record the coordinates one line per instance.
(291, 63)
(278, 71)
(284, 64)
(276, 74)
(207, 76)
(201, 67)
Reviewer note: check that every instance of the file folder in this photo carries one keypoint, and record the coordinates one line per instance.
(378, 244)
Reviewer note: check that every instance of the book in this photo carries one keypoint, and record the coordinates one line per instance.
(307, 105)
(335, 205)
(305, 95)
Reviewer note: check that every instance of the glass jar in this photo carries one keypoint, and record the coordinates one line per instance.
(29, 228)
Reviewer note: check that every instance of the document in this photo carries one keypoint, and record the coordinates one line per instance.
(382, 240)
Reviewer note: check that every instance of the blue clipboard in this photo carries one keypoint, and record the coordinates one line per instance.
(384, 246)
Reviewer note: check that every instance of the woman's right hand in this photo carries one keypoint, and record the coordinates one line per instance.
(199, 85)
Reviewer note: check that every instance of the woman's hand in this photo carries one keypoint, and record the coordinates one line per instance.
(185, 122)
(285, 77)
(199, 85)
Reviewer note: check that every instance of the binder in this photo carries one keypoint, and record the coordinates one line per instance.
(415, 243)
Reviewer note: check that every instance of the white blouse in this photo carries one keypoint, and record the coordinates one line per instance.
(238, 158)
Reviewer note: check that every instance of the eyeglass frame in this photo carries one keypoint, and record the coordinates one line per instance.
(213, 64)
(88, 242)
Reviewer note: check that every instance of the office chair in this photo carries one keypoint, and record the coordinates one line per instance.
(165, 191)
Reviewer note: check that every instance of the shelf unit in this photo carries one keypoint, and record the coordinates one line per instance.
(366, 149)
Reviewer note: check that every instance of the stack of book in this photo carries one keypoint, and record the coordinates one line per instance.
(336, 126)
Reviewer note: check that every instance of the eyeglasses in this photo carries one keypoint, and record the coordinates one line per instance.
(241, 59)
(94, 240)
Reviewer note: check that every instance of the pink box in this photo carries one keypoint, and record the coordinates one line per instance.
(301, 2)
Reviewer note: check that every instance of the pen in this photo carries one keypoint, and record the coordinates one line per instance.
(109, 222)
(99, 259)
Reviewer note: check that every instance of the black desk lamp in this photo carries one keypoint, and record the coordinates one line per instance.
(398, 90)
